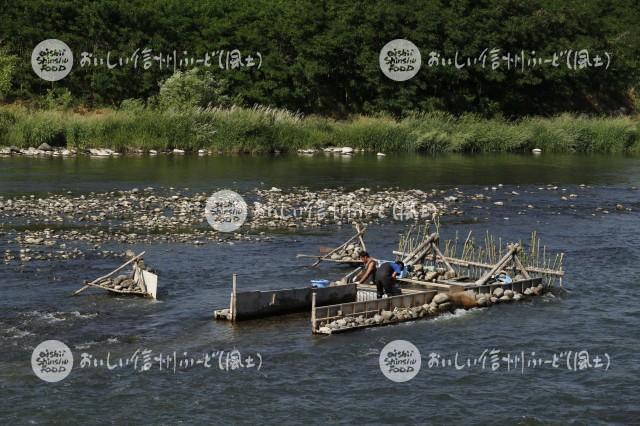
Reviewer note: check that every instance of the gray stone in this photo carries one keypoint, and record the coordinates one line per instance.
(440, 298)
(498, 292)
(430, 276)
(45, 147)
(386, 315)
(508, 293)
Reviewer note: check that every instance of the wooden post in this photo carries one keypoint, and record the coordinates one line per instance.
(408, 260)
(232, 308)
(437, 251)
(313, 311)
(507, 257)
(362, 244)
(519, 264)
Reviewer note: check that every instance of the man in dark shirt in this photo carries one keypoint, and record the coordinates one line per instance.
(385, 278)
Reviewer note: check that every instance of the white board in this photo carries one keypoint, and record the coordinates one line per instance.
(151, 282)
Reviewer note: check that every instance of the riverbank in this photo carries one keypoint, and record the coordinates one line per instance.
(264, 130)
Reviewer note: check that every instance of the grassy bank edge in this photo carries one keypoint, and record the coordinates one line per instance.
(263, 129)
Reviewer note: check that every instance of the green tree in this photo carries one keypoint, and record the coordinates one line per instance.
(193, 88)
(7, 69)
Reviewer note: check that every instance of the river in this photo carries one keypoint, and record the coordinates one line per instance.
(300, 378)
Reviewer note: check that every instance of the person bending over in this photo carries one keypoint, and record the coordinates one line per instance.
(385, 278)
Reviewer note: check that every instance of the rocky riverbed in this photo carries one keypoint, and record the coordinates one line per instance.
(67, 225)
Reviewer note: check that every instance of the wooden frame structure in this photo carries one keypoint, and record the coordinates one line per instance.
(327, 256)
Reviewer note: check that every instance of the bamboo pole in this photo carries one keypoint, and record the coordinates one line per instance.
(338, 248)
(409, 259)
(362, 244)
(467, 263)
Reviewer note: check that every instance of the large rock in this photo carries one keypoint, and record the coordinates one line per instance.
(441, 298)
(45, 147)
(347, 150)
(430, 276)
(386, 315)
(498, 292)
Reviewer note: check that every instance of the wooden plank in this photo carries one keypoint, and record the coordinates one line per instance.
(426, 283)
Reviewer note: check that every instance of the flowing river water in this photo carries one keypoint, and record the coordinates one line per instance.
(337, 379)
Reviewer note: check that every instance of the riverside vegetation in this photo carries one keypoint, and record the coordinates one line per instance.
(233, 129)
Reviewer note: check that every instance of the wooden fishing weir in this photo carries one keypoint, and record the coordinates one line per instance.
(247, 305)
(439, 281)
(442, 282)
(139, 282)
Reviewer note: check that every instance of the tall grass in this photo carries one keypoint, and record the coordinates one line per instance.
(264, 129)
